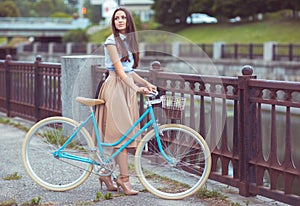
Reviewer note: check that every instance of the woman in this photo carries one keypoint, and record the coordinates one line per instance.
(119, 92)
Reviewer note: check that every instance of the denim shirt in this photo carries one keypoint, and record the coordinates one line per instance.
(108, 63)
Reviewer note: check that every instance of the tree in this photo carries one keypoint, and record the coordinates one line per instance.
(78, 35)
(170, 12)
(93, 12)
(274, 5)
(294, 5)
(203, 6)
(249, 8)
(9, 9)
(44, 8)
(225, 8)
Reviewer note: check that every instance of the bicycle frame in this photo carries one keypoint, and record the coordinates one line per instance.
(60, 154)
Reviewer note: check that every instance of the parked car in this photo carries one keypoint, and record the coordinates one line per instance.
(200, 18)
(235, 19)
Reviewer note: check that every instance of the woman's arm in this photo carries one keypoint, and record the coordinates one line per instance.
(143, 82)
(114, 56)
(113, 53)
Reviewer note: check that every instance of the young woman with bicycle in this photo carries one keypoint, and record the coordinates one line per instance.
(172, 161)
(119, 92)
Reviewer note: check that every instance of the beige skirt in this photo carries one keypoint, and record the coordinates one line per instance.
(119, 112)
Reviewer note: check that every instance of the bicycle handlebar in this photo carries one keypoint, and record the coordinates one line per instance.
(152, 94)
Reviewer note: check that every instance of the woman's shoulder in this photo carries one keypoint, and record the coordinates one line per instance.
(110, 40)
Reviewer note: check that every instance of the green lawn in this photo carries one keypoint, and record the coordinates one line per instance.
(2, 40)
(281, 31)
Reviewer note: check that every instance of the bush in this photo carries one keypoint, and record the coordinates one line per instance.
(78, 35)
(61, 15)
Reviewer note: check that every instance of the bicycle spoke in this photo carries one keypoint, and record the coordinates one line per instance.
(44, 167)
(188, 170)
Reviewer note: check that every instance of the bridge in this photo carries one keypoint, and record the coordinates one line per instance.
(39, 27)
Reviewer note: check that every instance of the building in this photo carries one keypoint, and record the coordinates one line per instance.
(140, 7)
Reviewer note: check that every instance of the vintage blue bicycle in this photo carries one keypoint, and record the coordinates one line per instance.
(172, 161)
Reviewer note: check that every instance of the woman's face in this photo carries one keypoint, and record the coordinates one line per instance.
(120, 21)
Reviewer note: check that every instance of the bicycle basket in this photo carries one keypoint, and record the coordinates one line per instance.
(173, 106)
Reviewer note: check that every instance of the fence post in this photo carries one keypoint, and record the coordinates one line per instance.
(218, 52)
(290, 52)
(236, 51)
(37, 94)
(269, 51)
(245, 126)
(155, 68)
(250, 51)
(8, 58)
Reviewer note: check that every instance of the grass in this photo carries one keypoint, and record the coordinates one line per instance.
(281, 31)
(274, 27)
(13, 176)
(16, 125)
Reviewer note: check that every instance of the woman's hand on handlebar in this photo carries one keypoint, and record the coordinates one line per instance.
(152, 87)
(144, 90)
(148, 89)
(147, 92)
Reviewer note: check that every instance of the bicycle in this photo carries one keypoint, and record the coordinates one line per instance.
(172, 161)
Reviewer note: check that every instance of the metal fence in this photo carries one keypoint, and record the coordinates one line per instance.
(251, 125)
(281, 52)
(30, 90)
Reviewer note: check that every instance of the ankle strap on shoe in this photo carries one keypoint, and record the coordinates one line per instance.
(124, 178)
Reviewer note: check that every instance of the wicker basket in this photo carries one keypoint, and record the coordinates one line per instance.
(173, 106)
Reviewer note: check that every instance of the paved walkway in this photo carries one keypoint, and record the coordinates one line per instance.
(24, 189)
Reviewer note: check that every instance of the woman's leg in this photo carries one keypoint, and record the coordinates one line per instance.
(123, 179)
(122, 161)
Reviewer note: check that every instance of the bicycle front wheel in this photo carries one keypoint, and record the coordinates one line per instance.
(188, 166)
(49, 171)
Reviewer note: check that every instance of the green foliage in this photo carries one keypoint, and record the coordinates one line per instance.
(8, 8)
(100, 196)
(137, 21)
(17, 125)
(171, 12)
(205, 193)
(60, 15)
(33, 202)
(13, 176)
(78, 35)
(93, 12)
(281, 31)
(100, 36)
(204, 6)
(43, 8)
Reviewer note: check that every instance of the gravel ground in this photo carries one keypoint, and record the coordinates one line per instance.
(24, 189)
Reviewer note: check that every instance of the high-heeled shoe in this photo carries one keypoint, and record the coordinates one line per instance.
(126, 186)
(108, 182)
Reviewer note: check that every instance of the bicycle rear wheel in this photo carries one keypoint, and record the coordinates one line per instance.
(50, 172)
(190, 156)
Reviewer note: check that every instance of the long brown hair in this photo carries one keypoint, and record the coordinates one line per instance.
(131, 39)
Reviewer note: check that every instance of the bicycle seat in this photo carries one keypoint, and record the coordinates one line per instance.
(89, 101)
